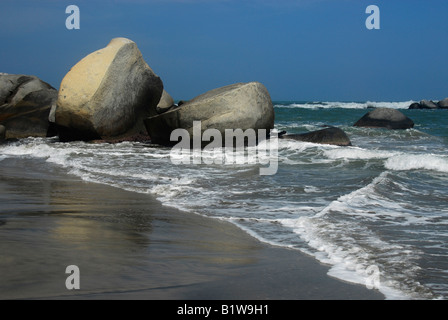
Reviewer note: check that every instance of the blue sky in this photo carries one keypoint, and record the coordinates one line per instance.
(305, 50)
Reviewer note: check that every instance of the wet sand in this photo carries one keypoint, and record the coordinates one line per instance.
(128, 246)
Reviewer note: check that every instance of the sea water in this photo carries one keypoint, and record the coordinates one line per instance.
(379, 207)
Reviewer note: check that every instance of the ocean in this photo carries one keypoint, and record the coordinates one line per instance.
(375, 212)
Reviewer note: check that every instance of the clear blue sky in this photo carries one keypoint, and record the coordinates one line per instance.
(318, 50)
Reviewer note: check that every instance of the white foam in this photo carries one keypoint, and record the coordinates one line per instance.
(350, 262)
(348, 105)
(417, 162)
(356, 153)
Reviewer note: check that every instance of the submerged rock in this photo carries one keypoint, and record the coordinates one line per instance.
(331, 135)
(385, 118)
(25, 104)
(107, 94)
(237, 106)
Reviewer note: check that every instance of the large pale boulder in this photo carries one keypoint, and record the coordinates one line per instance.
(237, 106)
(25, 104)
(330, 135)
(385, 118)
(107, 94)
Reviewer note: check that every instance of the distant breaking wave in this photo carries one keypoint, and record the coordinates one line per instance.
(344, 105)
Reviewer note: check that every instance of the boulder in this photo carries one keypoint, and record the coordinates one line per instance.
(443, 104)
(25, 104)
(165, 103)
(237, 106)
(426, 104)
(2, 133)
(330, 135)
(385, 118)
(107, 94)
(415, 105)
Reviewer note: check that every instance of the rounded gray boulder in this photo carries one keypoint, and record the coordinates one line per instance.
(443, 104)
(237, 106)
(385, 118)
(427, 104)
(25, 104)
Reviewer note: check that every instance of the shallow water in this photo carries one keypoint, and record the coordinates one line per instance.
(376, 208)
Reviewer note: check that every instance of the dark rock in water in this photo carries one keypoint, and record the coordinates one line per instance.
(415, 105)
(331, 135)
(385, 118)
(2, 133)
(426, 104)
(443, 104)
(237, 106)
(25, 104)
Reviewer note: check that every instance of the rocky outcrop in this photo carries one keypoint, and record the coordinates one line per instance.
(107, 94)
(430, 105)
(237, 106)
(25, 104)
(385, 118)
(330, 135)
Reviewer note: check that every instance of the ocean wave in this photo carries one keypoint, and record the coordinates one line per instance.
(345, 105)
(335, 229)
(356, 153)
(351, 248)
(406, 162)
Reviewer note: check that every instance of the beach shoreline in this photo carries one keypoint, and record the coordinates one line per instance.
(129, 246)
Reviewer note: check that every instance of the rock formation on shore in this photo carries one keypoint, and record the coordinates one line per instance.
(385, 118)
(107, 94)
(25, 104)
(237, 106)
(330, 135)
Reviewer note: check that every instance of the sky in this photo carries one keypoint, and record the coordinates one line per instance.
(301, 50)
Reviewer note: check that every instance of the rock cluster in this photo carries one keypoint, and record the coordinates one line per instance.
(113, 95)
(429, 104)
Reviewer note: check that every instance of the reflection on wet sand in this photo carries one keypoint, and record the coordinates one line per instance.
(121, 241)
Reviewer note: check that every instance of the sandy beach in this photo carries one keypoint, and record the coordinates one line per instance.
(128, 246)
